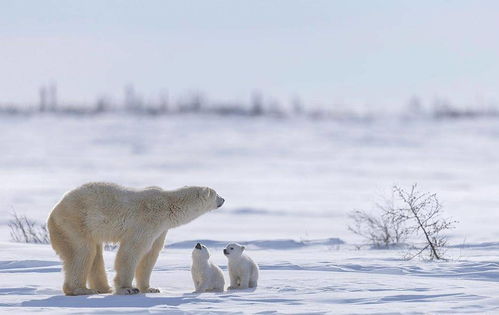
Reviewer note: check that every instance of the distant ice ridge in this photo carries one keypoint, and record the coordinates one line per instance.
(258, 107)
(262, 244)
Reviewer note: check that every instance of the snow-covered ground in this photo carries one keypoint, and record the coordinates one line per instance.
(309, 279)
(288, 185)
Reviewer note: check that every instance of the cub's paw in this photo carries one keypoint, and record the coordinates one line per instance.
(127, 291)
(232, 288)
(149, 290)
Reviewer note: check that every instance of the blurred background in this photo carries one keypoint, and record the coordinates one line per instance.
(296, 112)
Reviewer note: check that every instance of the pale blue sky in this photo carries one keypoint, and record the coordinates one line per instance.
(352, 52)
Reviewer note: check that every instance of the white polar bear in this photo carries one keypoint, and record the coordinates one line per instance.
(243, 271)
(206, 275)
(136, 218)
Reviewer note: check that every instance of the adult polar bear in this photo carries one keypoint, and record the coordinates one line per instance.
(138, 219)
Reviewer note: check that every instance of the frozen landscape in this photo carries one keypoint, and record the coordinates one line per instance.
(289, 185)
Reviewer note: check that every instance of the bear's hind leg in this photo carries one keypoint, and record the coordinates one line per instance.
(97, 278)
(76, 259)
(253, 281)
(76, 269)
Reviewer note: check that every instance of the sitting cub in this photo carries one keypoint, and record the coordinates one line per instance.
(243, 271)
(206, 275)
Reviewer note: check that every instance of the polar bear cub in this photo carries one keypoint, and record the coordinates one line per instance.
(243, 271)
(206, 275)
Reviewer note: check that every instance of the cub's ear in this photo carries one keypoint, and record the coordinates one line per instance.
(242, 248)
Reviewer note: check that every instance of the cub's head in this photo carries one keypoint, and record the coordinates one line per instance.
(233, 250)
(200, 252)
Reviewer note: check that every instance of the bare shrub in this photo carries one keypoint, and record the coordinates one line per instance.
(410, 214)
(26, 230)
(422, 212)
(379, 231)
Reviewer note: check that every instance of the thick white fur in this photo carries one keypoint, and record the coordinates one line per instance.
(243, 271)
(206, 275)
(136, 218)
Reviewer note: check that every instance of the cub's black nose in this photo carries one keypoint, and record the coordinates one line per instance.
(226, 252)
(198, 245)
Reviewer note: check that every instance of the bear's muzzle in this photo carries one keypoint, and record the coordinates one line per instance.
(220, 201)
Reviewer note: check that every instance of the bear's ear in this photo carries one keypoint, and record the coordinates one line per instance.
(242, 248)
(206, 192)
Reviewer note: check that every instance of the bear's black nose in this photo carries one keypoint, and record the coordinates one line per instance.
(220, 201)
(226, 252)
(198, 245)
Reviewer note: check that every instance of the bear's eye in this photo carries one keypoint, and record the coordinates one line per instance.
(232, 248)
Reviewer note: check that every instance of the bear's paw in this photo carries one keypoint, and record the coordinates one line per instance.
(149, 290)
(127, 291)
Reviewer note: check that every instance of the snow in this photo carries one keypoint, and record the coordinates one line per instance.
(288, 184)
(311, 279)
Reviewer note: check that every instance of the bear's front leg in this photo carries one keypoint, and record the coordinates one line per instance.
(127, 259)
(244, 284)
(234, 281)
(144, 269)
(197, 286)
(201, 287)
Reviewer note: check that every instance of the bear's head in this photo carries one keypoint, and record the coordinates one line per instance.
(233, 250)
(200, 252)
(203, 198)
(190, 202)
